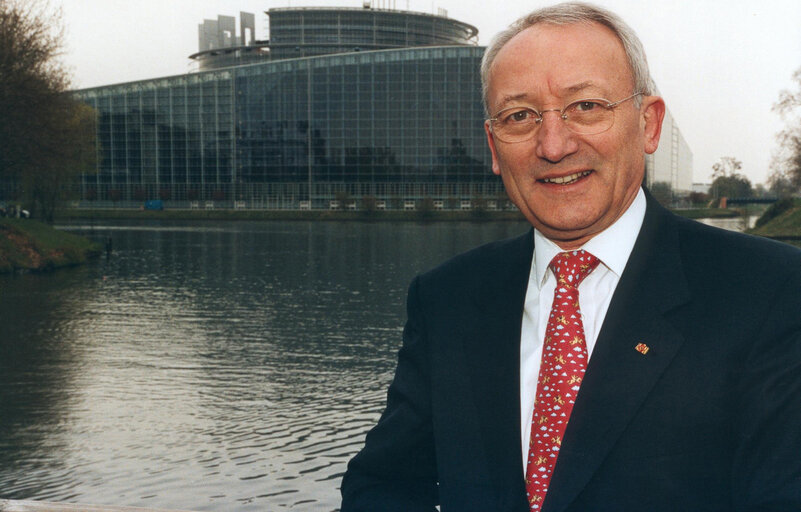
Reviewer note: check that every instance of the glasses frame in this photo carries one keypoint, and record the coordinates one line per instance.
(539, 113)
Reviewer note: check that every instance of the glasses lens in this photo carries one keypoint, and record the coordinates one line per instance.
(584, 117)
(515, 124)
(588, 117)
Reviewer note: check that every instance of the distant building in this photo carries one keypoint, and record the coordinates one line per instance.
(672, 162)
(336, 105)
(219, 46)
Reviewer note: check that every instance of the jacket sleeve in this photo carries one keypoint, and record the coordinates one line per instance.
(396, 469)
(767, 467)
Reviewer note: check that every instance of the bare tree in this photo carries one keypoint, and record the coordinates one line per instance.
(45, 134)
(727, 181)
(725, 167)
(787, 160)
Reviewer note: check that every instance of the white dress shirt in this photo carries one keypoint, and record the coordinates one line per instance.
(613, 247)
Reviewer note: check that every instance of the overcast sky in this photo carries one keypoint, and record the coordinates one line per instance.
(719, 64)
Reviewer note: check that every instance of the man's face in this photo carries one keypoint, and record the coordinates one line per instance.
(547, 67)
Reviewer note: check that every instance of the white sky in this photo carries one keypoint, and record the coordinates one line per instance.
(719, 64)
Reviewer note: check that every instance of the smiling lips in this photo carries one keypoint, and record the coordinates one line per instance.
(566, 180)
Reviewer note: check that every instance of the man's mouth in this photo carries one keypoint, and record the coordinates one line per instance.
(566, 180)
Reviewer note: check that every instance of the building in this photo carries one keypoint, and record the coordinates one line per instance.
(219, 46)
(672, 162)
(337, 108)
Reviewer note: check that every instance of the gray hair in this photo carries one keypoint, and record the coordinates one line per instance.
(567, 14)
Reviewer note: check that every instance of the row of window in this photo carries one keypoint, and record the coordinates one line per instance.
(390, 116)
(298, 174)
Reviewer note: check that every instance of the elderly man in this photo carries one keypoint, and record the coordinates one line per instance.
(615, 358)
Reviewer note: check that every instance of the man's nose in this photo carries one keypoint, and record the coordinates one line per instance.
(553, 140)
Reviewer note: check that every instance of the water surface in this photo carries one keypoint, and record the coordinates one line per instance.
(208, 366)
(215, 366)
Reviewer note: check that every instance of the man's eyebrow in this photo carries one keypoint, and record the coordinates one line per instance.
(579, 87)
(573, 89)
(515, 97)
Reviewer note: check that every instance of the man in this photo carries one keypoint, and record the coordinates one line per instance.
(616, 358)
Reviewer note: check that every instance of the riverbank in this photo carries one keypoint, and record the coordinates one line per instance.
(781, 221)
(708, 213)
(288, 215)
(334, 215)
(29, 245)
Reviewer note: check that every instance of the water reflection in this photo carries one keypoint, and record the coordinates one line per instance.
(732, 223)
(214, 366)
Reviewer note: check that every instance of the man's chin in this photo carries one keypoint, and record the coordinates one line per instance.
(567, 233)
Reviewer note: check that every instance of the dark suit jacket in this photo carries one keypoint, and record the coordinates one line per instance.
(708, 419)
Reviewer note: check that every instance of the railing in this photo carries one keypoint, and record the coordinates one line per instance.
(41, 506)
(751, 200)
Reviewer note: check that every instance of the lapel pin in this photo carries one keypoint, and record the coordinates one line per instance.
(642, 348)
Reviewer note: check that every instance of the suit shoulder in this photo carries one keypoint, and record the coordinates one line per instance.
(722, 242)
(736, 255)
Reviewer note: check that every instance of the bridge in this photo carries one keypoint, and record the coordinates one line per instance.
(750, 200)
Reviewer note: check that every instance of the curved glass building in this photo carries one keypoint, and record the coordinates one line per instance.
(339, 108)
(341, 105)
(299, 32)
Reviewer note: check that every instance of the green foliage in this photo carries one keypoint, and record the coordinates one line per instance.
(727, 180)
(69, 151)
(780, 185)
(46, 136)
(731, 186)
(698, 198)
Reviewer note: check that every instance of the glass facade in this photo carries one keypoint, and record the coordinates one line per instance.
(398, 126)
(166, 138)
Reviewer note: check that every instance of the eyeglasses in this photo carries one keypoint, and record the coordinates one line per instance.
(589, 116)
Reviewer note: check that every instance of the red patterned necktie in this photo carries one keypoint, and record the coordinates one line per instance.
(564, 360)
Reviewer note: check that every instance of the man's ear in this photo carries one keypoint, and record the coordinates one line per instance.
(653, 113)
(496, 168)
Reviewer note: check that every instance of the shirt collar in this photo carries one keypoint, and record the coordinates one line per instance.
(612, 246)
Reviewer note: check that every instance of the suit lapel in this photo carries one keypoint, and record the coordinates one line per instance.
(619, 376)
(494, 363)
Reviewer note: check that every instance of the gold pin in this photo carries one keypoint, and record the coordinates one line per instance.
(642, 348)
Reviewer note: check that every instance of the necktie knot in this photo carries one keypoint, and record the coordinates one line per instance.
(570, 268)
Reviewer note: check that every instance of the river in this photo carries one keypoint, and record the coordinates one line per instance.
(226, 366)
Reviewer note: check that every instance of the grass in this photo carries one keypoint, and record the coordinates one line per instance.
(707, 213)
(784, 225)
(31, 245)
